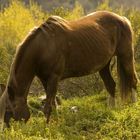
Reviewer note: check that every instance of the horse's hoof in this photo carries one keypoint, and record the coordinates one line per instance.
(111, 102)
(1, 126)
(134, 96)
(130, 98)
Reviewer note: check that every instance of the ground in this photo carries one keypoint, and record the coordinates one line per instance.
(93, 120)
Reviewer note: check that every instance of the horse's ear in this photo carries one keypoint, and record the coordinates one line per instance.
(11, 93)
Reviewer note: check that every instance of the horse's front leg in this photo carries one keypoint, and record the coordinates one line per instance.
(51, 90)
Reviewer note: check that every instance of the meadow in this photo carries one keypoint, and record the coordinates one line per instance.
(93, 120)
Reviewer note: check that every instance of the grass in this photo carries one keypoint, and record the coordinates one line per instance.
(94, 120)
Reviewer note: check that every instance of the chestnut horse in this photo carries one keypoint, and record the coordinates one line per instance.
(59, 49)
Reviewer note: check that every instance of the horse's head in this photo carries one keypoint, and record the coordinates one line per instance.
(16, 107)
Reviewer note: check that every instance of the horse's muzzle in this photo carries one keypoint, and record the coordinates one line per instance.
(8, 115)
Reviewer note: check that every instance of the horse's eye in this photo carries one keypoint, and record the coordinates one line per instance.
(11, 93)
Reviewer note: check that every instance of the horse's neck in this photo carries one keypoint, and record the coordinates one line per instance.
(23, 75)
(24, 66)
(24, 79)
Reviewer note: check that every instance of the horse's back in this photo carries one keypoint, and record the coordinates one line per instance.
(99, 17)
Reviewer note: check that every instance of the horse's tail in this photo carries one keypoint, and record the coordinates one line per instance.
(125, 61)
(122, 79)
(3, 99)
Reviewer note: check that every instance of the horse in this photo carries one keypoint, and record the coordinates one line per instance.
(59, 49)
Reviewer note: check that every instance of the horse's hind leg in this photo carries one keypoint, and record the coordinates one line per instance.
(109, 83)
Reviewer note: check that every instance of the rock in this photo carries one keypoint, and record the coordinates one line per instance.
(74, 109)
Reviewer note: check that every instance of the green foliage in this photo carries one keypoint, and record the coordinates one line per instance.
(60, 11)
(93, 120)
(104, 6)
(76, 13)
(73, 14)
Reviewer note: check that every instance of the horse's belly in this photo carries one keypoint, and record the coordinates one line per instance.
(85, 65)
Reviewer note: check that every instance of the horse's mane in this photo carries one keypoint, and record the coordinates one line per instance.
(54, 23)
(20, 51)
(23, 46)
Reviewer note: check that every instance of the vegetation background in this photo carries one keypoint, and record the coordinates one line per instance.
(93, 120)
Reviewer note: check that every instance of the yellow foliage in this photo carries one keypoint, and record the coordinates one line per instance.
(16, 21)
(76, 13)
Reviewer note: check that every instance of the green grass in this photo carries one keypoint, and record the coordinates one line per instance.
(93, 121)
